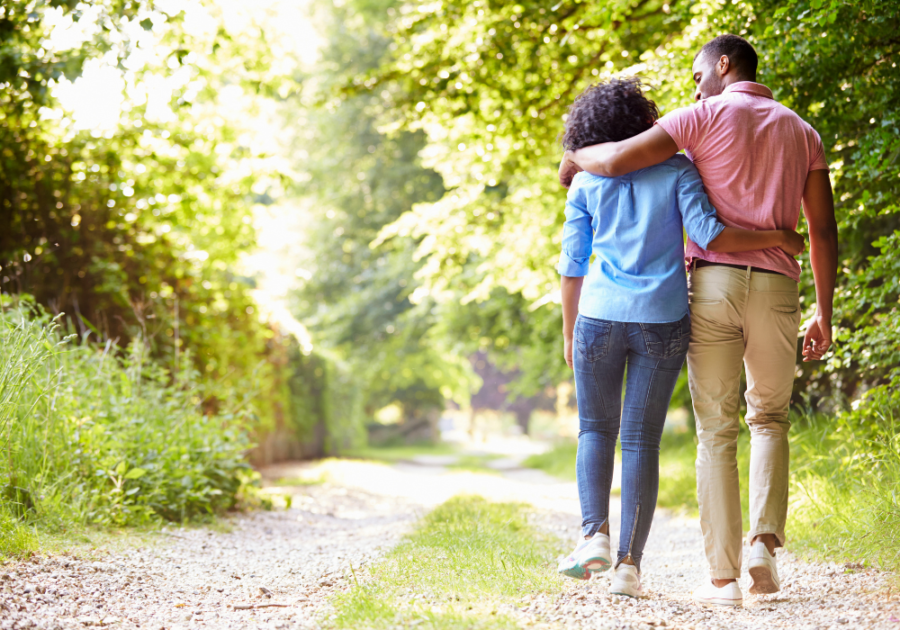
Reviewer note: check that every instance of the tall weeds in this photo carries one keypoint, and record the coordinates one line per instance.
(97, 435)
(845, 494)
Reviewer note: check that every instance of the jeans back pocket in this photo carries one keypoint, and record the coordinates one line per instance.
(592, 338)
(665, 341)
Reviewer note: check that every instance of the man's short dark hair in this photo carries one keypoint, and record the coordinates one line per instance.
(608, 111)
(739, 51)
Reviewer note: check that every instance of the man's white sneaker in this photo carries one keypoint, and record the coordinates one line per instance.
(627, 581)
(590, 556)
(709, 594)
(763, 572)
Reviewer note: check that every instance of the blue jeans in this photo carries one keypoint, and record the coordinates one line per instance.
(653, 355)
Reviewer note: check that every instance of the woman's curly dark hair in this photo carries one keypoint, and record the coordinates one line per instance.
(608, 111)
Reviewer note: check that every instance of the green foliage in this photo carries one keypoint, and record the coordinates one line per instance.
(490, 83)
(364, 178)
(95, 436)
(835, 63)
(454, 570)
(326, 402)
(135, 231)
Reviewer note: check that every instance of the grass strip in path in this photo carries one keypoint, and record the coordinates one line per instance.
(468, 564)
(559, 461)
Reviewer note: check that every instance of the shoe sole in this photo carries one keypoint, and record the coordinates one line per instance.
(597, 565)
(622, 592)
(575, 571)
(762, 582)
(720, 602)
(584, 572)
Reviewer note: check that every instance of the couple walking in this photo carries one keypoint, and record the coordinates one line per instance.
(632, 314)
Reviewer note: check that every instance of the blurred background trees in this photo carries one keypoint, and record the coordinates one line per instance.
(490, 83)
(404, 156)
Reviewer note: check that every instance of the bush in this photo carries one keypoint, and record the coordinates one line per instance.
(102, 436)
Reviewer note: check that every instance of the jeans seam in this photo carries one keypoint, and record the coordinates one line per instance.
(643, 427)
(599, 389)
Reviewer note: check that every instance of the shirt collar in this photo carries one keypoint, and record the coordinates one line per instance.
(749, 87)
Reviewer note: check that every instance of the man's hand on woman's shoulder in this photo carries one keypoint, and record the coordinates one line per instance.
(567, 170)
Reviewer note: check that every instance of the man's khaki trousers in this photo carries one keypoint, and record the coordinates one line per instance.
(739, 316)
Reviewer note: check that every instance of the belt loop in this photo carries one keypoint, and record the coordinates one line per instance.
(749, 271)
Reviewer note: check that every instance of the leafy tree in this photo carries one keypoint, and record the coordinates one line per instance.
(357, 299)
(835, 63)
(489, 82)
(136, 230)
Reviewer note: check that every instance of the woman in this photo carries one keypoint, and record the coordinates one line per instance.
(630, 320)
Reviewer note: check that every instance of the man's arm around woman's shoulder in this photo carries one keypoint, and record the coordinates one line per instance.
(613, 159)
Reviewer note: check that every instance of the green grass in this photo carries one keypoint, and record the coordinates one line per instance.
(559, 461)
(466, 563)
(392, 454)
(318, 480)
(475, 463)
(16, 539)
(845, 490)
(402, 452)
(97, 436)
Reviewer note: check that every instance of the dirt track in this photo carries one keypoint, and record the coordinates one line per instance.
(278, 569)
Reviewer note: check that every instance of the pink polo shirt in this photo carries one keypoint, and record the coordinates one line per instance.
(753, 155)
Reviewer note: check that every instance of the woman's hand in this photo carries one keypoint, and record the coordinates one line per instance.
(567, 351)
(792, 243)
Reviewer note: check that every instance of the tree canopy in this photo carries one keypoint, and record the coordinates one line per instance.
(490, 82)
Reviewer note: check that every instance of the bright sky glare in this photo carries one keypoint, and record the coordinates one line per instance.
(96, 99)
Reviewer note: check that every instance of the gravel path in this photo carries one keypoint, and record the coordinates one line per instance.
(279, 569)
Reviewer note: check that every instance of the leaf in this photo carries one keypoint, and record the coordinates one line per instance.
(147, 24)
(135, 473)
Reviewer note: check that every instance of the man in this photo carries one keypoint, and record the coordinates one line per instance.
(758, 161)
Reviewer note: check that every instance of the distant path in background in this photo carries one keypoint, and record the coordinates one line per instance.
(278, 569)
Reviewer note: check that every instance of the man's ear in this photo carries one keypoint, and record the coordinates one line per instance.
(723, 66)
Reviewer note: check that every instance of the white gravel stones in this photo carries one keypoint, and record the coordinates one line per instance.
(273, 570)
(278, 570)
(815, 596)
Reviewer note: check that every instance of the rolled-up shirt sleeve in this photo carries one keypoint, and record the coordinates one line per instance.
(697, 214)
(577, 237)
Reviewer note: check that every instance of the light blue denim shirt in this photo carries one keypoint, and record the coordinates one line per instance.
(633, 224)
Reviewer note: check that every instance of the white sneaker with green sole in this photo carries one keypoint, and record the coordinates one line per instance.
(590, 556)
